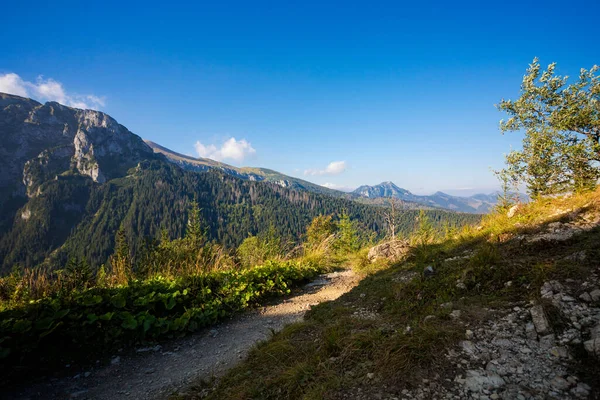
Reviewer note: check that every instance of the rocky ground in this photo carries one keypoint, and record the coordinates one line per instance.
(546, 348)
(515, 353)
(157, 371)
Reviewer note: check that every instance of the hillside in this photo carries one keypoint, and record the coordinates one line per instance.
(478, 203)
(71, 178)
(507, 310)
(247, 173)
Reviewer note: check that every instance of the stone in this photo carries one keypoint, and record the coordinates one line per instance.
(514, 210)
(393, 250)
(476, 381)
(428, 318)
(585, 296)
(559, 383)
(592, 346)
(469, 334)
(115, 360)
(428, 271)
(455, 314)
(542, 326)
(547, 341)
(468, 347)
(370, 375)
(595, 294)
(530, 331)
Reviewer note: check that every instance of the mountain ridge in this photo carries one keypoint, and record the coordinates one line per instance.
(477, 203)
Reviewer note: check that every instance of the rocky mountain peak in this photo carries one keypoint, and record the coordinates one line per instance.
(42, 141)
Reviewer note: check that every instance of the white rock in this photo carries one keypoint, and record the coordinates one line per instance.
(542, 326)
(513, 210)
(468, 347)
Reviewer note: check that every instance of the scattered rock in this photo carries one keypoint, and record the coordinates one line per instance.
(595, 295)
(428, 271)
(455, 314)
(581, 390)
(370, 375)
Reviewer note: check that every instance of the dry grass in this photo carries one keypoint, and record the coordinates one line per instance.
(334, 352)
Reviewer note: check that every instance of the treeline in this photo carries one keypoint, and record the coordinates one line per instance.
(73, 217)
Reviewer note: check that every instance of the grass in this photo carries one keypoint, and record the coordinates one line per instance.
(337, 352)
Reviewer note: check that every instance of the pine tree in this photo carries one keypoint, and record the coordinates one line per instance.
(195, 234)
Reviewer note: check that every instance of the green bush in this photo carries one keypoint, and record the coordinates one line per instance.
(60, 328)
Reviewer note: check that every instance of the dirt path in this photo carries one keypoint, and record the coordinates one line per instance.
(156, 372)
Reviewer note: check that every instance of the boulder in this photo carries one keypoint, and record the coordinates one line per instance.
(393, 250)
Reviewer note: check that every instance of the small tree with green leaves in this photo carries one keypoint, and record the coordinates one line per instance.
(348, 241)
(561, 121)
(319, 230)
(425, 232)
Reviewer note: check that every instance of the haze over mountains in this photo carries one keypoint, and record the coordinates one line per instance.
(478, 203)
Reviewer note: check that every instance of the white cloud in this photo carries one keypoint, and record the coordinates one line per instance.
(231, 149)
(335, 186)
(47, 90)
(334, 168)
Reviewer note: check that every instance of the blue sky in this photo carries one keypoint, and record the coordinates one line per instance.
(400, 91)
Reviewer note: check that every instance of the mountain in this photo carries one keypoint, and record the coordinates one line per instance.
(246, 173)
(267, 175)
(478, 203)
(71, 178)
(384, 189)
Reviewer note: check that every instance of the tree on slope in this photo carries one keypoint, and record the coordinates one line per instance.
(561, 149)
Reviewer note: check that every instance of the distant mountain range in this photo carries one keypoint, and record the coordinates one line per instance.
(478, 203)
